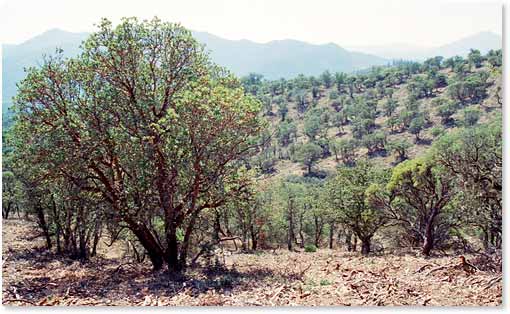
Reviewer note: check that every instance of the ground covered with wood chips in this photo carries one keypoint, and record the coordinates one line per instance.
(32, 276)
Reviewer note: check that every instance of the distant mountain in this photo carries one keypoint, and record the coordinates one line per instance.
(393, 51)
(483, 41)
(275, 59)
(30, 53)
(284, 58)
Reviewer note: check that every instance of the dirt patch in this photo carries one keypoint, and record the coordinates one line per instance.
(33, 276)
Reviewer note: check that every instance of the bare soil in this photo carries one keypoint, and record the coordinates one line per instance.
(33, 276)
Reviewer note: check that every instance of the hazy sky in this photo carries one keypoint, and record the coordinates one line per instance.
(345, 22)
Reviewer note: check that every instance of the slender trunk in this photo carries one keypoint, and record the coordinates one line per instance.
(365, 246)
(428, 243)
(254, 243)
(331, 234)
(82, 253)
(67, 230)
(318, 231)
(290, 232)
(6, 210)
(95, 241)
(348, 241)
(301, 235)
(43, 225)
(172, 250)
(486, 243)
(183, 256)
(56, 218)
(254, 238)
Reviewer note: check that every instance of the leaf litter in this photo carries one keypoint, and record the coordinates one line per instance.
(33, 276)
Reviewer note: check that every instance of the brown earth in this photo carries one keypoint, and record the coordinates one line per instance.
(33, 276)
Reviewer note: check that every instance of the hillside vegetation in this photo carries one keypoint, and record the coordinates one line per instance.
(387, 114)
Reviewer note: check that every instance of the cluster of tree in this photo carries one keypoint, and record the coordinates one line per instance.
(316, 115)
(439, 200)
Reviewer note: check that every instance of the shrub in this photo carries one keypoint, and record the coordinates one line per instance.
(325, 282)
(310, 248)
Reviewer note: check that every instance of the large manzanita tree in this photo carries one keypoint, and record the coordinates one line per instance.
(142, 118)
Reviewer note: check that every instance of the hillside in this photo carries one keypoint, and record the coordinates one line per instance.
(385, 119)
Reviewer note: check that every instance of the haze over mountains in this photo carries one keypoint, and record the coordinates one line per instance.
(275, 59)
(483, 41)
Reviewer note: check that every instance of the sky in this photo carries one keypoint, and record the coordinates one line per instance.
(346, 23)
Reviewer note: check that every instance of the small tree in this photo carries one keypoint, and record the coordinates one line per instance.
(327, 79)
(390, 106)
(400, 148)
(308, 154)
(471, 116)
(347, 194)
(344, 149)
(475, 58)
(445, 111)
(426, 189)
(283, 109)
(416, 126)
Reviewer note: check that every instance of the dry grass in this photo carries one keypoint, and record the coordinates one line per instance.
(33, 276)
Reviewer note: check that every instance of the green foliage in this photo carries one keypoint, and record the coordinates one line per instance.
(422, 191)
(400, 148)
(471, 116)
(308, 154)
(446, 110)
(374, 141)
(389, 107)
(286, 133)
(416, 126)
(473, 159)
(310, 248)
(325, 282)
(344, 149)
(348, 194)
(475, 58)
(437, 131)
(327, 79)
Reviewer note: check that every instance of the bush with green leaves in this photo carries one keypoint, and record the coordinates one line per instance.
(347, 194)
(308, 154)
(470, 116)
(310, 248)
